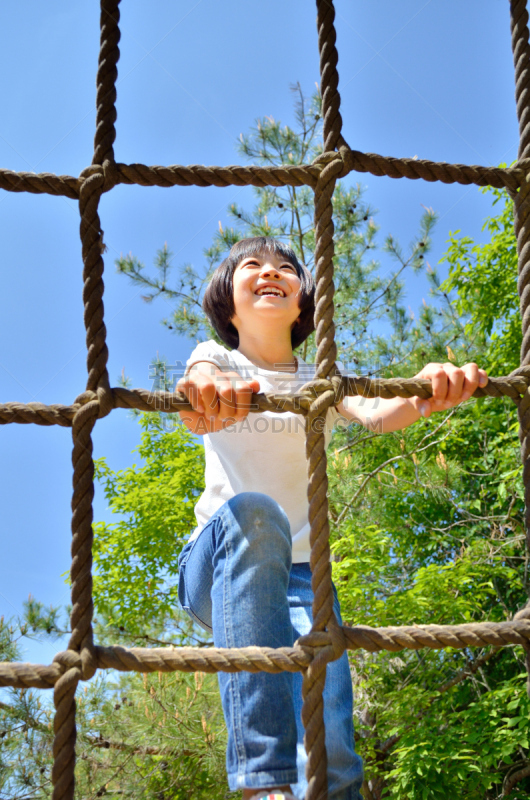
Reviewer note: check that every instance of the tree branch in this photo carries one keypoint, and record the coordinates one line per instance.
(510, 782)
(144, 750)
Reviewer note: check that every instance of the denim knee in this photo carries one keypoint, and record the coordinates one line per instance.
(262, 522)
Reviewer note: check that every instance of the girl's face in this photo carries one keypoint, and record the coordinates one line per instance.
(266, 286)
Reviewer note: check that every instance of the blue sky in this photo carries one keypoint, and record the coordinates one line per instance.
(429, 79)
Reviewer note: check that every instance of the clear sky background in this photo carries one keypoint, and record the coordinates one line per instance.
(428, 78)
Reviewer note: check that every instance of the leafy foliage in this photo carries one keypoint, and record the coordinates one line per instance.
(485, 278)
(140, 735)
(136, 558)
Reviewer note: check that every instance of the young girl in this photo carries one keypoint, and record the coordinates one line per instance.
(244, 573)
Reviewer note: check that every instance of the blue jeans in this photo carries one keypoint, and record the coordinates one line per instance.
(236, 580)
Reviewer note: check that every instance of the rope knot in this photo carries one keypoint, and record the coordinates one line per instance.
(88, 172)
(108, 171)
(346, 155)
(314, 640)
(104, 397)
(105, 401)
(323, 393)
(84, 398)
(111, 175)
(68, 659)
(85, 662)
(338, 638)
(342, 160)
(329, 644)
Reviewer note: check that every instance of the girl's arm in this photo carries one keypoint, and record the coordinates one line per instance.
(450, 386)
(218, 398)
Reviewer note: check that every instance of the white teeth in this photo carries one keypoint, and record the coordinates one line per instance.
(273, 290)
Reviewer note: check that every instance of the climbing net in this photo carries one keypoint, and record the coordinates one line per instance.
(327, 640)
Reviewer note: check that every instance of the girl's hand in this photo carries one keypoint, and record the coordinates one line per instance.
(218, 398)
(450, 386)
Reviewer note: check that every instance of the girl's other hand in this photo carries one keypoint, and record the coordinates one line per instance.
(451, 385)
(218, 398)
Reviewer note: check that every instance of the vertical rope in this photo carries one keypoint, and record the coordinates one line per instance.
(324, 249)
(82, 537)
(96, 333)
(81, 645)
(90, 193)
(521, 56)
(65, 735)
(109, 54)
(329, 77)
(315, 676)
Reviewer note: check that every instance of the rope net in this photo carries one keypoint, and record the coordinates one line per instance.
(327, 640)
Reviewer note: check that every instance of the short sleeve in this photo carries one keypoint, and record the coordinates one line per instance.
(209, 351)
(334, 417)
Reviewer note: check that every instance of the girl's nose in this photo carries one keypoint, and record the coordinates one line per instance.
(268, 271)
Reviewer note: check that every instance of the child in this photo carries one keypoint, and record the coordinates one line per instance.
(244, 573)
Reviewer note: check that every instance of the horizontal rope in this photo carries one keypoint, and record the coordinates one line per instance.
(233, 175)
(284, 175)
(39, 183)
(24, 676)
(416, 169)
(266, 659)
(436, 637)
(204, 659)
(512, 386)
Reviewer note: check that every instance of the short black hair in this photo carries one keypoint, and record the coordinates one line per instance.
(218, 302)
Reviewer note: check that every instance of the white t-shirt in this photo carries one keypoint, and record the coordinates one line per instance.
(265, 452)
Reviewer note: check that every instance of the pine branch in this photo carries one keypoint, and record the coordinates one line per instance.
(137, 750)
(19, 714)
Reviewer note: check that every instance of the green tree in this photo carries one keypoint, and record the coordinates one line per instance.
(485, 279)
(136, 558)
(428, 527)
(144, 736)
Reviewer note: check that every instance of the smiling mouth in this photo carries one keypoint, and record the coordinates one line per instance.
(270, 291)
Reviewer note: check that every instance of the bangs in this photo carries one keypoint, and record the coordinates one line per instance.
(246, 248)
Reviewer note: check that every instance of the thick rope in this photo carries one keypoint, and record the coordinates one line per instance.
(521, 52)
(315, 675)
(284, 175)
(109, 54)
(512, 386)
(63, 769)
(39, 183)
(82, 538)
(92, 238)
(81, 646)
(520, 48)
(521, 56)
(329, 77)
(234, 175)
(212, 659)
(414, 169)
(79, 659)
(264, 659)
